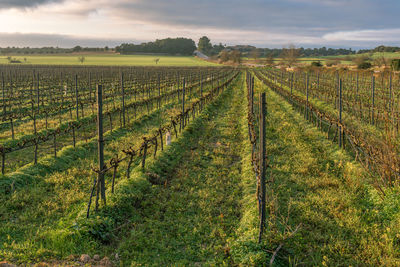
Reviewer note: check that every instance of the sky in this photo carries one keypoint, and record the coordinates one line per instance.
(264, 23)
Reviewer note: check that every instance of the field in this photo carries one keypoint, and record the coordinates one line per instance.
(164, 166)
(108, 60)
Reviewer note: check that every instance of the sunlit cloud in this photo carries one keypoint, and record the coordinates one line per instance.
(258, 22)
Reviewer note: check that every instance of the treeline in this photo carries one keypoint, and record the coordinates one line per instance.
(171, 46)
(381, 49)
(251, 51)
(50, 50)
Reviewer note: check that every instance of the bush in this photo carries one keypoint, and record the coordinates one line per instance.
(364, 65)
(316, 64)
(395, 64)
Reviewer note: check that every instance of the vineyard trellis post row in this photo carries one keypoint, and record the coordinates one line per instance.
(123, 99)
(307, 105)
(3, 88)
(262, 164)
(76, 97)
(340, 114)
(390, 92)
(373, 99)
(183, 104)
(159, 91)
(100, 174)
(201, 91)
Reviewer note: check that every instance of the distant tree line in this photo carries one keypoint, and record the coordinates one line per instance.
(249, 51)
(380, 48)
(171, 46)
(50, 50)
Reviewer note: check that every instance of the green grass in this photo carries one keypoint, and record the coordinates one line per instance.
(195, 204)
(320, 188)
(189, 219)
(109, 60)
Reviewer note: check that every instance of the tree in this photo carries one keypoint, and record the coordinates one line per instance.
(381, 60)
(224, 56)
(236, 56)
(81, 59)
(77, 49)
(359, 60)
(290, 55)
(255, 54)
(204, 45)
(269, 60)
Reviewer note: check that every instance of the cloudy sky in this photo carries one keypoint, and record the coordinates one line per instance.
(264, 23)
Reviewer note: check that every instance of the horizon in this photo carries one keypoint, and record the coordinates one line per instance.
(356, 24)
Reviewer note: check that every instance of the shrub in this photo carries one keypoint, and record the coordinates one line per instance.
(395, 64)
(331, 62)
(364, 65)
(316, 64)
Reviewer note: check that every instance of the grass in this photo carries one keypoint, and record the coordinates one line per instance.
(195, 204)
(57, 227)
(189, 219)
(321, 189)
(109, 60)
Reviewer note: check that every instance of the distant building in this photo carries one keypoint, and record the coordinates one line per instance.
(197, 53)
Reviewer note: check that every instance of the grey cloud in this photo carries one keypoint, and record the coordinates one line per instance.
(5, 4)
(65, 41)
(283, 15)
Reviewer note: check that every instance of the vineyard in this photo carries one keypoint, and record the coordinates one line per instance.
(198, 166)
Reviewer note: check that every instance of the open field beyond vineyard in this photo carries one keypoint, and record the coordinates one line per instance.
(108, 59)
(164, 166)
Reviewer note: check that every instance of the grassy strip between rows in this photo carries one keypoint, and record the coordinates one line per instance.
(43, 218)
(322, 192)
(65, 157)
(353, 121)
(58, 227)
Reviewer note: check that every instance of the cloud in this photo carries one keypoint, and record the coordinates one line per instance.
(260, 22)
(385, 35)
(55, 40)
(6, 4)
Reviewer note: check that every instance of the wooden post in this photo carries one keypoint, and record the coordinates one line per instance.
(55, 145)
(373, 99)
(123, 99)
(340, 113)
(76, 96)
(390, 93)
(291, 85)
(183, 104)
(159, 91)
(38, 92)
(100, 175)
(306, 107)
(337, 90)
(3, 92)
(3, 161)
(251, 81)
(201, 91)
(357, 83)
(262, 165)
